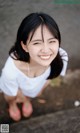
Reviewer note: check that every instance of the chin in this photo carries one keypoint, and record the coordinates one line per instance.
(45, 64)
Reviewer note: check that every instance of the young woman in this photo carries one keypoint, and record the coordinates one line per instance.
(33, 61)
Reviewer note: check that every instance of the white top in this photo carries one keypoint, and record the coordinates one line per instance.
(12, 78)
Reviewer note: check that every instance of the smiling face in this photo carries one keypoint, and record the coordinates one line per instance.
(43, 47)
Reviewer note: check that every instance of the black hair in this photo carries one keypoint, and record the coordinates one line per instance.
(29, 25)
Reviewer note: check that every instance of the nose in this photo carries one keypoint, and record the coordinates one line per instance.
(45, 48)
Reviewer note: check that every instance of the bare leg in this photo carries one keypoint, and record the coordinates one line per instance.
(13, 108)
(14, 112)
(27, 106)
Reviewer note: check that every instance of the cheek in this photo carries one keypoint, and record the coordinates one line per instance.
(55, 48)
(33, 52)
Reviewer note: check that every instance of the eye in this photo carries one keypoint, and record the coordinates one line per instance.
(52, 41)
(36, 43)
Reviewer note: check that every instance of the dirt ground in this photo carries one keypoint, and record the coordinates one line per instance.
(60, 95)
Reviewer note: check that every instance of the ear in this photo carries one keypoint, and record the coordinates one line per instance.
(24, 46)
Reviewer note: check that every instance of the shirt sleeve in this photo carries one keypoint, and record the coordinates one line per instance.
(8, 85)
(64, 57)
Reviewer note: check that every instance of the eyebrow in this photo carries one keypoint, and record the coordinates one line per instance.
(51, 38)
(42, 40)
(36, 40)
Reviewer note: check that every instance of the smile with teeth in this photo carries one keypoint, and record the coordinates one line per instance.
(45, 57)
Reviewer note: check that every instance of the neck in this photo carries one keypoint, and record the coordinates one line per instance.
(34, 65)
(36, 69)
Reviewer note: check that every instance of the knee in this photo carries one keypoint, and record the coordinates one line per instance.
(9, 98)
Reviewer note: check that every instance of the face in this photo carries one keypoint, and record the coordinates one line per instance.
(42, 51)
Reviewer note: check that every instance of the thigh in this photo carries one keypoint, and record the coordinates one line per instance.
(20, 97)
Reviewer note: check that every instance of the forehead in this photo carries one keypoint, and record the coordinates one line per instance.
(41, 32)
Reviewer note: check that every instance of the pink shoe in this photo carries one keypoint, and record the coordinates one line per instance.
(27, 109)
(14, 113)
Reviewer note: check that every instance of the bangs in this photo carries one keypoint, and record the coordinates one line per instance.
(54, 32)
(33, 32)
(50, 28)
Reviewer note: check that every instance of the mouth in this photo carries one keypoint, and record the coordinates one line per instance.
(45, 57)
